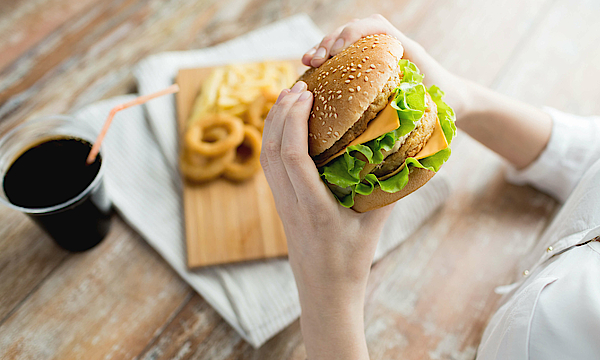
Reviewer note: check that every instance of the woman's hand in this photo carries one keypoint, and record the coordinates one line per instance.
(331, 248)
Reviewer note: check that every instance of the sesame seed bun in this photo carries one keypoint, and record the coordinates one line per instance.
(346, 85)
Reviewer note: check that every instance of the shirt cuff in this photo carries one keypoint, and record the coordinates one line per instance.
(569, 152)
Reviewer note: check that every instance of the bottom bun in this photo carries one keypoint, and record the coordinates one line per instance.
(379, 198)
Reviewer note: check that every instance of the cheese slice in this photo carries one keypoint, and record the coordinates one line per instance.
(386, 121)
(437, 141)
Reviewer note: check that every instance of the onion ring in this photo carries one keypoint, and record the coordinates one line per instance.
(199, 168)
(197, 141)
(245, 164)
(259, 109)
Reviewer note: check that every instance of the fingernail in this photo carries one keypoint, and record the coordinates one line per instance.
(305, 96)
(337, 45)
(311, 51)
(299, 87)
(283, 93)
(320, 53)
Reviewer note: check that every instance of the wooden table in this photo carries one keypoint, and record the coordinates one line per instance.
(429, 298)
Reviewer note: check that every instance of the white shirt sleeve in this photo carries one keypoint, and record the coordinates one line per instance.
(573, 147)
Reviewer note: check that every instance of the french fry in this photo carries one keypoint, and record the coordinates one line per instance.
(232, 88)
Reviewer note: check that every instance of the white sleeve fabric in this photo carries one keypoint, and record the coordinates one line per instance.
(573, 147)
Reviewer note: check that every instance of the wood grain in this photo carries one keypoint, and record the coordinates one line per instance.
(101, 304)
(429, 298)
(226, 222)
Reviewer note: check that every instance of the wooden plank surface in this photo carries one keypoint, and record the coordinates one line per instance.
(429, 298)
(219, 227)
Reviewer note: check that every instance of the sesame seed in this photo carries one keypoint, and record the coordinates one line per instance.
(358, 88)
(373, 46)
(353, 69)
(358, 75)
(335, 116)
(363, 60)
(351, 64)
(365, 48)
(359, 66)
(366, 57)
(317, 108)
(368, 70)
(338, 92)
(372, 66)
(351, 90)
(335, 132)
(323, 123)
(324, 140)
(366, 78)
(347, 81)
(334, 70)
(329, 133)
(339, 96)
(351, 77)
(349, 98)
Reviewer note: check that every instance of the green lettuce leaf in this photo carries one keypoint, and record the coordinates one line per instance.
(410, 103)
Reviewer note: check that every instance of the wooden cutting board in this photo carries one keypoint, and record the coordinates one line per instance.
(226, 222)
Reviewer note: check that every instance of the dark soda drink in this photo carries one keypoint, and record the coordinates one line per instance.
(63, 194)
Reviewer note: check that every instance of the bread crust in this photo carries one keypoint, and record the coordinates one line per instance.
(379, 198)
(345, 85)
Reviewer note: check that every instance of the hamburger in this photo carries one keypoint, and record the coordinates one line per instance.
(376, 133)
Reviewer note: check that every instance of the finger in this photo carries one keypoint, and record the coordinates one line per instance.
(278, 177)
(272, 111)
(301, 169)
(375, 24)
(263, 154)
(322, 52)
(307, 57)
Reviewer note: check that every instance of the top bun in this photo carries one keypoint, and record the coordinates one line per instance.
(346, 84)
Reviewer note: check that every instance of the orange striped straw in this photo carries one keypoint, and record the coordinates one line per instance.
(137, 101)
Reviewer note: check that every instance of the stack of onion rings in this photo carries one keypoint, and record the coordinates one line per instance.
(220, 144)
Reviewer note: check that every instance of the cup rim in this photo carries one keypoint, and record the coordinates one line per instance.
(63, 205)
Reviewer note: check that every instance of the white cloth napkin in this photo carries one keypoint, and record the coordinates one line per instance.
(258, 299)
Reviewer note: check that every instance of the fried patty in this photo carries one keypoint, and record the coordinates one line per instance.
(413, 143)
(360, 126)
